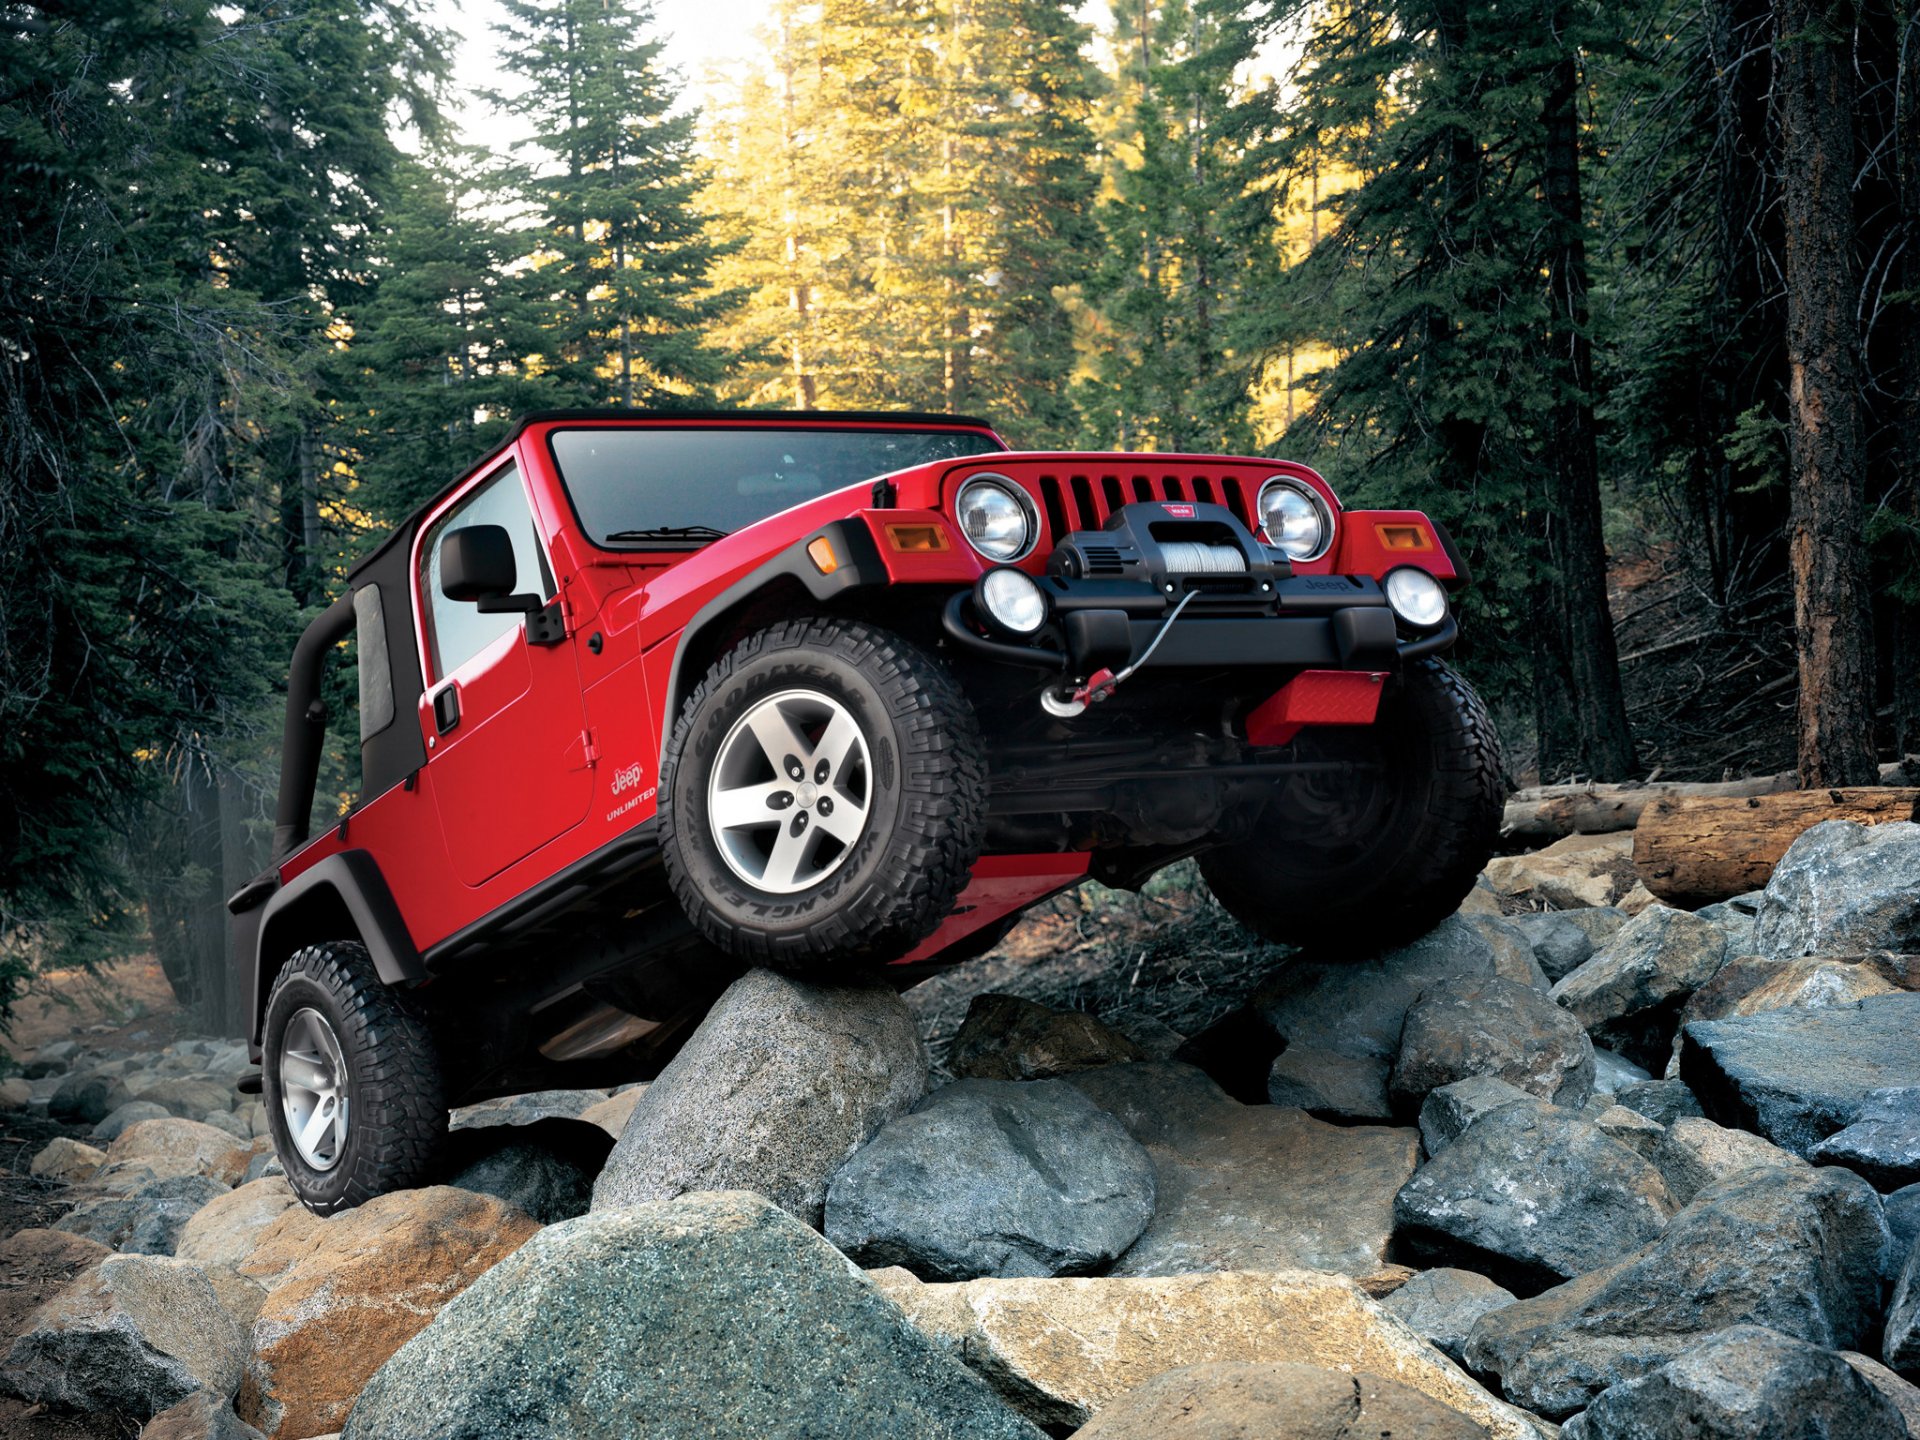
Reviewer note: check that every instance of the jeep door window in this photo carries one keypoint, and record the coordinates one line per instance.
(458, 630)
(676, 489)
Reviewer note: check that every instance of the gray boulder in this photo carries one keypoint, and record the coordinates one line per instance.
(1449, 1110)
(145, 1221)
(1882, 1143)
(1737, 919)
(712, 1314)
(1441, 1306)
(546, 1168)
(1357, 1008)
(199, 1417)
(1693, 1153)
(1329, 1085)
(1228, 1400)
(1613, 1073)
(1007, 1038)
(1227, 1178)
(781, 1083)
(1532, 1196)
(1628, 996)
(191, 1099)
(1902, 1348)
(1843, 889)
(1513, 955)
(1797, 1076)
(134, 1335)
(1661, 1101)
(1796, 1249)
(994, 1177)
(1561, 944)
(527, 1109)
(131, 1113)
(1903, 1216)
(86, 1099)
(1492, 1027)
(1904, 1394)
(1745, 1383)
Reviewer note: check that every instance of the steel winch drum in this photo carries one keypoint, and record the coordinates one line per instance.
(1193, 557)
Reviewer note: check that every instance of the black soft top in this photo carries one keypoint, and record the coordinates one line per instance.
(404, 530)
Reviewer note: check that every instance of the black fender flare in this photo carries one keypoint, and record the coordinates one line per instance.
(859, 566)
(349, 881)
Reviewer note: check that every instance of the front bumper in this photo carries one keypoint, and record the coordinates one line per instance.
(1318, 622)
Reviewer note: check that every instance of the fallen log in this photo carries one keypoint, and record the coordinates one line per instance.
(1541, 814)
(1697, 850)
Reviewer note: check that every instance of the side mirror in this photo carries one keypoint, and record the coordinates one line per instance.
(476, 563)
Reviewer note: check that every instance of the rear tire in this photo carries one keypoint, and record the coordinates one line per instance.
(352, 1080)
(823, 798)
(1376, 867)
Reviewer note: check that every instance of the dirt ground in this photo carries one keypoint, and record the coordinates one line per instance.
(71, 1003)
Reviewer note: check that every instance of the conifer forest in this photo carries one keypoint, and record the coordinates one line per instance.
(1627, 294)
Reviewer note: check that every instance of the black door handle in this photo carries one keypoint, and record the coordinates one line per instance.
(446, 708)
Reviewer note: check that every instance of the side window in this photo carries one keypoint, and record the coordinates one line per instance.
(457, 631)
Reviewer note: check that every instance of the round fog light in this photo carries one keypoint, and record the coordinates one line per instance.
(1416, 597)
(1013, 601)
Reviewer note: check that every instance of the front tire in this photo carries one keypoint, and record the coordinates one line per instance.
(353, 1086)
(823, 797)
(1375, 864)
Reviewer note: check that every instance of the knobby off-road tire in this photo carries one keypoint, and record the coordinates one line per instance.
(1422, 836)
(856, 899)
(388, 1078)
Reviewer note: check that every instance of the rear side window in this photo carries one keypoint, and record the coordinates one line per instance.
(456, 630)
(370, 651)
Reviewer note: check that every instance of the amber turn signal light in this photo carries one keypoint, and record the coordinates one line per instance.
(820, 551)
(1403, 537)
(918, 539)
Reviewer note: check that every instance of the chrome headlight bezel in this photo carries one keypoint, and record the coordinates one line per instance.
(1001, 576)
(1030, 517)
(1399, 603)
(1322, 510)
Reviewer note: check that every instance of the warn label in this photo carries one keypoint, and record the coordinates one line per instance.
(1179, 512)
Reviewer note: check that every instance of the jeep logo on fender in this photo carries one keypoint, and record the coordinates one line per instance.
(1183, 512)
(625, 780)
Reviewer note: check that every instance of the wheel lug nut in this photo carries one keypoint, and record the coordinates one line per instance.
(820, 773)
(795, 770)
(826, 805)
(780, 800)
(800, 822)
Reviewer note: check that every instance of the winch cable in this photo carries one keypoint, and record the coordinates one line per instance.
(1103, 683)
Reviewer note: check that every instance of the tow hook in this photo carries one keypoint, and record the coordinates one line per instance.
(1064, 704)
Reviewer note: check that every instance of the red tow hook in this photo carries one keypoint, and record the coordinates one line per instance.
(1099, 686)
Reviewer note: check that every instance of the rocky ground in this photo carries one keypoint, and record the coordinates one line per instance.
(1574, 1163)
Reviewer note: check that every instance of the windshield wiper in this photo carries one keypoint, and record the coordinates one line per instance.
(672, 532)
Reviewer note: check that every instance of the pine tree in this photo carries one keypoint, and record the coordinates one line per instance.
(624, 256)
(929, 168)
(1188, 236)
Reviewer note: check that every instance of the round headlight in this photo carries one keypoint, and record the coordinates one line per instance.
(1416, 597)
(995, 520)
(1013, 601)
(1296, 519)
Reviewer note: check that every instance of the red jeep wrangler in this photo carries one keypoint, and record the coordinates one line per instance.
(645, 699)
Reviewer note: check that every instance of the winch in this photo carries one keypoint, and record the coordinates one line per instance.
(1176, 546)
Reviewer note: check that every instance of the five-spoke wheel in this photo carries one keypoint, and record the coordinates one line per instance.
(789, 797)
(313, 1089)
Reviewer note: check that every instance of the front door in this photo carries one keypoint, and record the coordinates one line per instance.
(502, 717)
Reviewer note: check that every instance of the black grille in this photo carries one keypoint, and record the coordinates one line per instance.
(1083, 502)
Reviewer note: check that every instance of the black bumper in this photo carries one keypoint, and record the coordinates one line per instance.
(1313, 622)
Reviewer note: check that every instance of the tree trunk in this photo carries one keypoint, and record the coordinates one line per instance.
(1906, 322)
(1603, 742)
(1697, 851)
(1545, 813)
(1832, 630)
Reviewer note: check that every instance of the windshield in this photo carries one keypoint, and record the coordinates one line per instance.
(685, 487)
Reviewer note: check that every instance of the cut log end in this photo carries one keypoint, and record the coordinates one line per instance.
(1696, 850)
